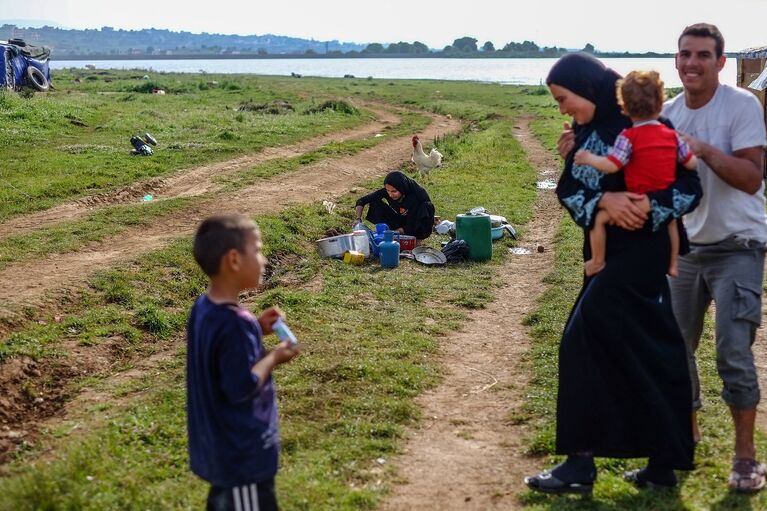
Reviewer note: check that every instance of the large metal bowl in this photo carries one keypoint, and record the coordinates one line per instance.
(335, 246)
(428, 255)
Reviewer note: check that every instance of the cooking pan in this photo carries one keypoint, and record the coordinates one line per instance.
(335, 246)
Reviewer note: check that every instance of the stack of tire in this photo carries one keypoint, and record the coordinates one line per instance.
(22, 65)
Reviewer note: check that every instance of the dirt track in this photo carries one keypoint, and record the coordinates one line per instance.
(469, 452)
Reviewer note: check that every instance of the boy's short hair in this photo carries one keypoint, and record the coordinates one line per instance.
(218, 235)
(705, 30)
(641, 94)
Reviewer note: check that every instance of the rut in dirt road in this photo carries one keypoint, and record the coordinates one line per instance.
(469, 452)
(191, 182)
(29, 283)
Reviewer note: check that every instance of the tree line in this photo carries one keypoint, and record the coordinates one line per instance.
(467, 46)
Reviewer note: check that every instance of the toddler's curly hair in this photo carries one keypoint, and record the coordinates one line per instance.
(641, 94)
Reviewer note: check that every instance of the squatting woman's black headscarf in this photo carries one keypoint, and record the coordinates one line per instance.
(406, 186)
(587, 77)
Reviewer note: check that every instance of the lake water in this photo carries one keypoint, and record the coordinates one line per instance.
(504, 71)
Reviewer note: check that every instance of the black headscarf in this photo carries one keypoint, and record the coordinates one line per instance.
(587, 77)
(406, 186)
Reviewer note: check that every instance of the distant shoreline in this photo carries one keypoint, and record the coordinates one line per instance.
(253, 56)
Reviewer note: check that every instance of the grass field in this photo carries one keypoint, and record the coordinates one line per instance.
(369, 335)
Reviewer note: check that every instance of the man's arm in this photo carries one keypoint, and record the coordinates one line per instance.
(742, 170)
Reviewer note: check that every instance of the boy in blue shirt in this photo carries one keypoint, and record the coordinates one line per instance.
(231, 405)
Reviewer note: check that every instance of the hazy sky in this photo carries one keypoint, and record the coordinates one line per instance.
(645, 25)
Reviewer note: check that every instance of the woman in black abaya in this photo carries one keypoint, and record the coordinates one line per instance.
(624, 387)
(402, 204)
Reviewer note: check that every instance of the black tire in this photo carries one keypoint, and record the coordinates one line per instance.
(37, 79)
(149, 138)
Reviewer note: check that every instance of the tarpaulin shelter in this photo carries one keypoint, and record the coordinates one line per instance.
(23, 65)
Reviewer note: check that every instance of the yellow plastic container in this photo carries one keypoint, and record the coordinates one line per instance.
(354, 257)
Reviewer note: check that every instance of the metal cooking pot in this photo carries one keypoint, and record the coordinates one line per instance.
(335, 246)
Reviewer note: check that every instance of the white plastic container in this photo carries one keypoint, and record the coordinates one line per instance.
(362, 242)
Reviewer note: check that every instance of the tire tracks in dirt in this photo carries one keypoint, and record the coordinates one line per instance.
(29, 283)
(191, 182)
(469, 451)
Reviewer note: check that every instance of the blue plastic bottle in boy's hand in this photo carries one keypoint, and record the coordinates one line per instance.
(284, 333)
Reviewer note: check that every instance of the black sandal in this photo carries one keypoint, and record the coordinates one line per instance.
(637, 478)
(546, 482)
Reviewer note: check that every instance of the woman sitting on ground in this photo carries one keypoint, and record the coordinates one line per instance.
(402, 204)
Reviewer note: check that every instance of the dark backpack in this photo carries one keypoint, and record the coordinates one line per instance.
(456, 251)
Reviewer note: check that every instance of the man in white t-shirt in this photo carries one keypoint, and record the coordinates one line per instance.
(724, 127)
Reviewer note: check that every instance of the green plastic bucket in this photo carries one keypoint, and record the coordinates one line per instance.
(475, 230)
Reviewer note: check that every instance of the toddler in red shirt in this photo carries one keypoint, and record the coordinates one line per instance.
(648, 152)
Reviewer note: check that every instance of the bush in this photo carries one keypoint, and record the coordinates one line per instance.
(227, 135)
(334, 105)
(146, 87)
(275, 107)
(154, 320)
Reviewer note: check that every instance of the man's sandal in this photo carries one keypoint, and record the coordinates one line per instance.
(747, 475)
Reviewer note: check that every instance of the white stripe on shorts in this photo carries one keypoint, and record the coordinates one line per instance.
(245, 497)
(237, 503)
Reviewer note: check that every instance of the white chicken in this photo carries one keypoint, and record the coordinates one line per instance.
(423, 162)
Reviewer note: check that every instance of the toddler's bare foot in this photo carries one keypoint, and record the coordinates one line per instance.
(592, 267)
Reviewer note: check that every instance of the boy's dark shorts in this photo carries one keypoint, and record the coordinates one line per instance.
(251, 497)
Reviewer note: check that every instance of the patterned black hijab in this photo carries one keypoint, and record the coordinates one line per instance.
(587, 77)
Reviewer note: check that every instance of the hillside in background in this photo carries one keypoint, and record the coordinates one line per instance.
(150, 41)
